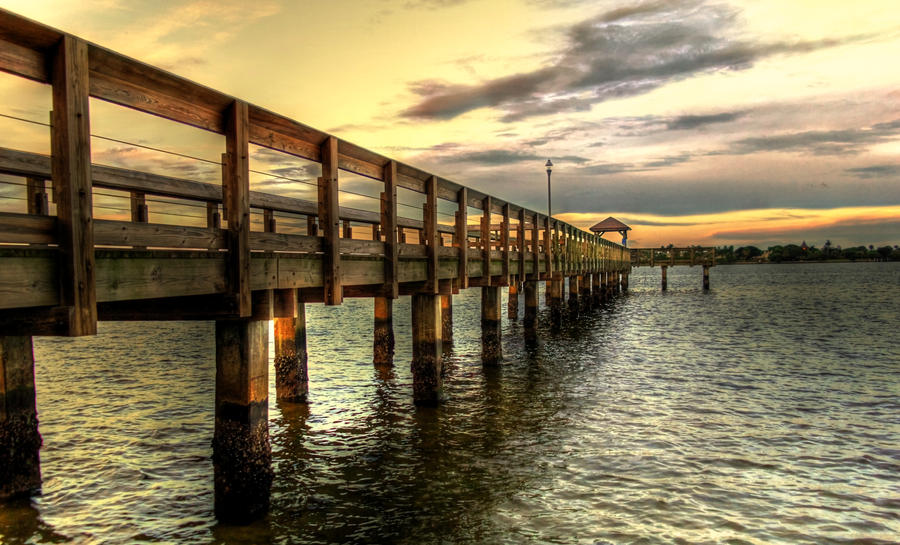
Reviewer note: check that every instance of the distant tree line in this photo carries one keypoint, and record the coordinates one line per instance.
(793, 252)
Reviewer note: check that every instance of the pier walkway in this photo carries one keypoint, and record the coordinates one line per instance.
(704, 256)
(62, 269)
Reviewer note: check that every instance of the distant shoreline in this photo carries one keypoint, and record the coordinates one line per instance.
(803, 262)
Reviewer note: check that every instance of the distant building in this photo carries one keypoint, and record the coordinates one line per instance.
(610, 225)
(803, 246)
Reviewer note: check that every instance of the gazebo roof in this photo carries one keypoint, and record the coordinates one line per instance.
(610, 224)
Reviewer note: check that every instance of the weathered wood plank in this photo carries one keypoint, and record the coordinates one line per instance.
(124, 233)
(236, 190)
(389, 229)
(486, 239)
(329, 222)
(71, 166)
(462, 237)
(18, 228)
(431, 234)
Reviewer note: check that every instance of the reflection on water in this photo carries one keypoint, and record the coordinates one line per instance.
(762, 411)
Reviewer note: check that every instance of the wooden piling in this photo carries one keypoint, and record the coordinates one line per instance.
(426, 362)
(585, 286)
(512, 303)
(706, 277)
(665, 281)
(384, 332)
(596, 289)
(20, 441)
(573, 291)
(491, 348)
(556, 300)
(531, 304)
(242, 455)
(291, 374)
(446, 320)
(624, 282)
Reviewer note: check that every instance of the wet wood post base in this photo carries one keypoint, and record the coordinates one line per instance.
(585, 285)
(556, 300)
(20, 441)
(291, 374)
(596, 289)
(512, 306)
(706, 277)
(446, 320)
(610, 286)
(624, 282)
(531, 304)
(426, 361)
(573, 293)
(242, 456)
(491, 348)
(665, 282)
(383, 347)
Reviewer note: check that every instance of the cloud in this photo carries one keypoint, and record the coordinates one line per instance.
(619, 53)
(831, 142)
(690, 122)
(669, 161)
(875, 171)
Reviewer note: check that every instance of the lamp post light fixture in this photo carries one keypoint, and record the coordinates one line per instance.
(549, 166)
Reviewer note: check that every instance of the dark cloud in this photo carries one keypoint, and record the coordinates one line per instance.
(690, 122)
(618, 53)
(875, 171)
(833, 142)
(669, 161)
(491, 157)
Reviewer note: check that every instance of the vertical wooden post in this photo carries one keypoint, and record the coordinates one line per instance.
(71, 173)
(486, 241)
(330, 223)
(596, 289)
(556, 298)
(236, 190)
(504, 246)
(213, 218)
(706, 277)
(624, 282)
(268, 220)
(520, 238)
(665, 283)
(574, 282)
(462, 238)
(347, 231)
(291, 374)
(37, 196)
(389, 228)
(447, 320)
(431, 235)
(426, 364)
(20, 440)
(491, 347)
(535, 249)
(512, 303)
(384, 332)
(139, 211)
(585, 286)
(242, 455)
(548, 248)
(312, 228)
(531, 304)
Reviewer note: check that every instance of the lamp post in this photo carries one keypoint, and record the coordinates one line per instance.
(549, 166)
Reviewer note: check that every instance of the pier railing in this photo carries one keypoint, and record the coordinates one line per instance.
(693, 255)
(78, 268)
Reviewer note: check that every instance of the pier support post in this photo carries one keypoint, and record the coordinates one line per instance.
(512, 306)
(665, 283)
(586, 290)
(446, 320)
(242, 456)
(624, 282)
(596, 288)
(491, 348)
(384, 332)
(610, 285)
(531, 304)
(573, 292)
(291, 375)
(426, 362)
(20, 441)
(556, 300)
(706, 277)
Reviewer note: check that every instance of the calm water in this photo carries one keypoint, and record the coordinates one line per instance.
(764, 411)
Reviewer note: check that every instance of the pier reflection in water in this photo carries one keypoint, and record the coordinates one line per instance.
(761, 411)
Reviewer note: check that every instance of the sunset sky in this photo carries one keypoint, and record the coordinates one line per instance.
(695, 122)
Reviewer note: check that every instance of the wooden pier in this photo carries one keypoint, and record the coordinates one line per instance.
(61, 273)
(704, 256)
